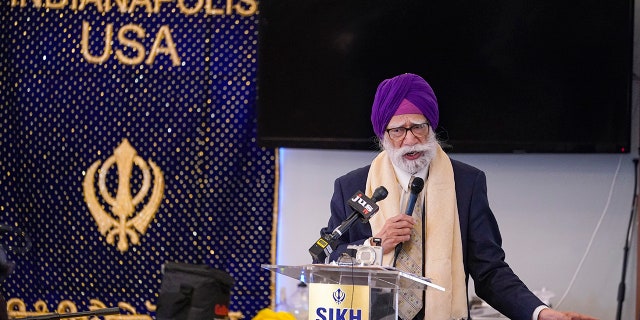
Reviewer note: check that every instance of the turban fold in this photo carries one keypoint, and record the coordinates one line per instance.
(391, 92)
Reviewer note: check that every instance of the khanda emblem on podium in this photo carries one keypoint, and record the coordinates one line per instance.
(339, 296)
(122, 221)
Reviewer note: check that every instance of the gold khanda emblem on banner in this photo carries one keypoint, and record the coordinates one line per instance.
(123, 222)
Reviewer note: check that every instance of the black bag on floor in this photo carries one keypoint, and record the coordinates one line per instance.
(193, 292)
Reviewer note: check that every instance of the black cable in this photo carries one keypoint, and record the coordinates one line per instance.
(397, 250)
(621, 286)
(55, 315)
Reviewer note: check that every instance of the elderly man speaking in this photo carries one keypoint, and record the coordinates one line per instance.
(451, 234)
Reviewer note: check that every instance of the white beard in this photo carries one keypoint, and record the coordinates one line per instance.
(412, 166)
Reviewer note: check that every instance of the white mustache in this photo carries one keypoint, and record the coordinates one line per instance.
(412, 149)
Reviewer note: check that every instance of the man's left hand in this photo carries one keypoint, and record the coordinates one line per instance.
(550, 314)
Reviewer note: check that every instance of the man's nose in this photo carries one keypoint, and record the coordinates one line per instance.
(410, 138)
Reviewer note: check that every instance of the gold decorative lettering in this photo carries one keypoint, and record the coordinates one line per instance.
(86, 27)
(132, 314)
(211, 10)
(56, 5)
(189, 11)
(17, 309)
(158, 4)
(97, 3)
(135, 45)
(122, 5)
(146, 3)
(241, 7)
(67, 306)
(251, 10)
(164, 33)
(23, 3)
(229, 7)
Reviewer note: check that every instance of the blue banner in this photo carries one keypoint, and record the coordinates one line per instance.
(127, 140)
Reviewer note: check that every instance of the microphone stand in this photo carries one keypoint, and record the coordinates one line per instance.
(99, 312)
(621, 286)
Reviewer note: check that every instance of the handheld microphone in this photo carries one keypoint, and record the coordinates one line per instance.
(415, 187)
(363, 208)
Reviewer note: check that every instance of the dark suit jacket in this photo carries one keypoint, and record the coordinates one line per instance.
(483, 256)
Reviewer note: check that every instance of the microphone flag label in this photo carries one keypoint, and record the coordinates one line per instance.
(363, 204)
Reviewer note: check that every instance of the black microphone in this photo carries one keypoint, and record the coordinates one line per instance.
(363, 208)
(415, 187)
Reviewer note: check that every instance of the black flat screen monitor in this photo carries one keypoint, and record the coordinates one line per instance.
(510, 75)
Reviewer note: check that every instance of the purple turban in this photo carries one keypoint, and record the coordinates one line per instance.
(391, 92)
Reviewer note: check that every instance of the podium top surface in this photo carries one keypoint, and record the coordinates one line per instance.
(373, 276)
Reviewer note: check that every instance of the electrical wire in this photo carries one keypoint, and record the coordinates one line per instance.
(593, 235)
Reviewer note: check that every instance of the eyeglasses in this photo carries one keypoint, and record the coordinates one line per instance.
(420, 130)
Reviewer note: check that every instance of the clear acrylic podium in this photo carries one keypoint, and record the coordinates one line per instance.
(375, 286)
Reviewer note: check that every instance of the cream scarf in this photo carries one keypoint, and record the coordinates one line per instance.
(443, 245)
